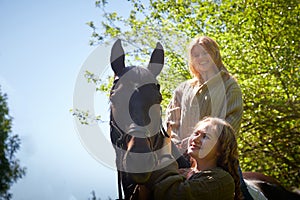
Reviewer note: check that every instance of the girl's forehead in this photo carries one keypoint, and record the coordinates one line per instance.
(198, 47)
(209, 129)
(205, 126)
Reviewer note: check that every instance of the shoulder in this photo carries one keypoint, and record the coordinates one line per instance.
(228, 78)
(216, 174)
(222, 174)
(230, 82)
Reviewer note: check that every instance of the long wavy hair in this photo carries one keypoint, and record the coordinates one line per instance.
(228, 151)
(212, 49)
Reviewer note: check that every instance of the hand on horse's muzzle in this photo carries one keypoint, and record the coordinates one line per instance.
(140, 178)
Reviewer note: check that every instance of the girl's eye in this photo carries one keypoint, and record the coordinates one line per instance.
(207, 137)
(199, 54)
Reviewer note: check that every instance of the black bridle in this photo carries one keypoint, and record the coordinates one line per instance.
(121, 142)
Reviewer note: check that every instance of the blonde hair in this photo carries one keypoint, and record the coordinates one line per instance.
(212, 48)
(228, 150)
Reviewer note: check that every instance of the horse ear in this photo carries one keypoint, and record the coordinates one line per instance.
(157, 60)
(117, 57)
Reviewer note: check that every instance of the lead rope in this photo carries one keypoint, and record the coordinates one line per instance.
(119, 185)
(118, 144)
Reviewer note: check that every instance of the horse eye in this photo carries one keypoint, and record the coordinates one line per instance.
(158, 87)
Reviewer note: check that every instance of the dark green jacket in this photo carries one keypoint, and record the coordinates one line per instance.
(212, 184)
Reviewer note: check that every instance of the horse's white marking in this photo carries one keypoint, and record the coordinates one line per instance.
(254, 190)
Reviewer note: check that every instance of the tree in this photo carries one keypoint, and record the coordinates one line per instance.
(94, 197)
(10, 169)
(259, 41)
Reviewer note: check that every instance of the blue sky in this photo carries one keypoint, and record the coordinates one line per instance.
(43, 45)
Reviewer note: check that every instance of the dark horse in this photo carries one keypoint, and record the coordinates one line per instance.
(135, 122)
(137, 133)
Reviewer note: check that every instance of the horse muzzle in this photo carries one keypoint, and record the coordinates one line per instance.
(139, 160)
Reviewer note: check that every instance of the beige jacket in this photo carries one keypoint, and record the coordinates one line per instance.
(220, 97)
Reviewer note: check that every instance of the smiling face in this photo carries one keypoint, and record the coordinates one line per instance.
(203, 143)
(201, 60)
(204, 58)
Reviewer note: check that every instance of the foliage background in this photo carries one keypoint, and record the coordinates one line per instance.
(259, 41)
(10, 169)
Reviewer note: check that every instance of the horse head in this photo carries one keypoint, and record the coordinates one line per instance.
(135, 113)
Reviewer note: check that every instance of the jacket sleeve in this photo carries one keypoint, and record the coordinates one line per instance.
(168, 184)
(234, 111)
